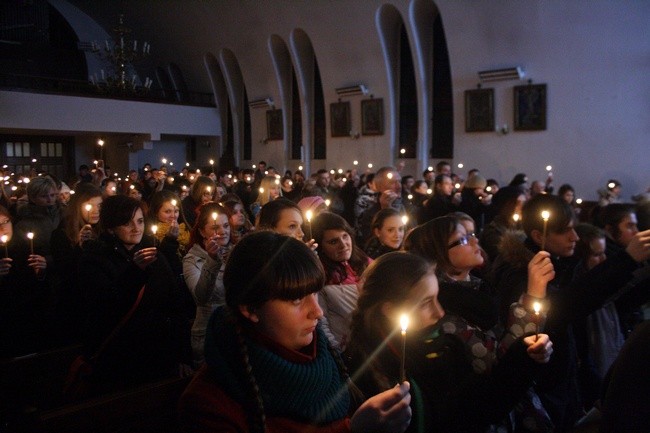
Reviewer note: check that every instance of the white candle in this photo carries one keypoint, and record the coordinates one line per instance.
(308, 215)
(537, 307)
(545, 216)
(30, 235)
(404, 323)
(4, 240)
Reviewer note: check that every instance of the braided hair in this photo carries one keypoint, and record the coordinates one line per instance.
(265, 266)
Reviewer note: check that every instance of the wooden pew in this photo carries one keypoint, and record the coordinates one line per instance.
(34, 381)
(147, 408)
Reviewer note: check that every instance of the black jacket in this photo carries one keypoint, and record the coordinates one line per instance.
(151, 344)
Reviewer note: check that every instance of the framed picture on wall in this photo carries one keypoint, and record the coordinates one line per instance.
(479, 110)
(530, 107)
(372, 116)
(274, 130)
(340, 119)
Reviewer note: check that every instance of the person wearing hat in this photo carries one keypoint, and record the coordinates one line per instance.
(474, 200)
(64, 194)
(315, 204)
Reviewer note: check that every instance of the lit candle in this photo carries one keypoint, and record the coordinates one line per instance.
(545, 216)
(30, 236)
(154, 230)
(327, 202)
(537, 307)
(515, 217)
(214, 219)
(4, 240)
(404, 323)
(174, 202)
(405, 219)
(88, 209)
(309, 214)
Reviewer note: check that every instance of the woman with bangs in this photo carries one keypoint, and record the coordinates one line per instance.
(203, 268)
(344, 262)
(473, 309)
(269, 366)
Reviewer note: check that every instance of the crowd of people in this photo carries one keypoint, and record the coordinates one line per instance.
(282, 295)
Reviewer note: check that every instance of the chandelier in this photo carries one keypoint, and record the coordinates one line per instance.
(118, 57)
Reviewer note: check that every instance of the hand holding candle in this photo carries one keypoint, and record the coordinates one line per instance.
(404, 323)
(545, 216)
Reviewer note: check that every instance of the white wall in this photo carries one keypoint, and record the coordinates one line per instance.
(592, 54)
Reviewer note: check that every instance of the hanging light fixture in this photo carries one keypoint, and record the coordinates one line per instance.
(119, 56)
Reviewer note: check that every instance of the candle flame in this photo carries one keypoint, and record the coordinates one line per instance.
(405, 219)
(537, 307)
(327, 202)
(174, 202)
(30, 235)
(308, 214)
(545, 215)
(214, 216)
(4, 239)
(516, 217)
(404, 322)
(154, 229)
(89, 207)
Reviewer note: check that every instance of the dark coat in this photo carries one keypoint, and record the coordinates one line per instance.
(150, 345)
(27, 304)
(569, 300)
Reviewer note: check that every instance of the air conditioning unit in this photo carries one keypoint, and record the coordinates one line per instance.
(515, 73)
(261, 103)
(359, 89)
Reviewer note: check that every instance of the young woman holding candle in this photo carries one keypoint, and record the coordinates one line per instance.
(172, 238)
(285, 217)
(238, 219)
(26, 297)
(202, 191)
(80, 225)
(269, 366)
(126, 272)
(203, 268)
(387, 233)
(344, 263)
(269, 190)
(458, 385)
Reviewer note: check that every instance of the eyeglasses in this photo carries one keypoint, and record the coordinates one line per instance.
(462, 241)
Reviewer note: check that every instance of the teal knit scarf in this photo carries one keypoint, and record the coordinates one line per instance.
(312, 392)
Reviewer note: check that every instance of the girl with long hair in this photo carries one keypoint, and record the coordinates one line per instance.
(344, 262)
(203, 268)
(80, 225)
(442, 352)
